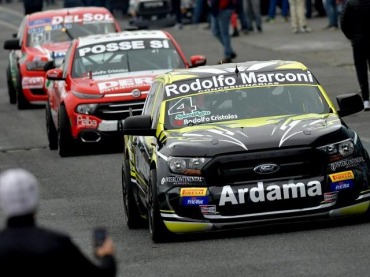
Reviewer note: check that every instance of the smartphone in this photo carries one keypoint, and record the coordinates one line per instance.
(100, 234)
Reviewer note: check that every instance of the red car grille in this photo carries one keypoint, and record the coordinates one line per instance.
(118, 110)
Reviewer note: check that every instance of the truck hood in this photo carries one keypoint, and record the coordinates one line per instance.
(254, 134)
(50, 50)
(117, 83)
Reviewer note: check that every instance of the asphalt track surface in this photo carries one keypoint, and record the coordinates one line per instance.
(81, 192)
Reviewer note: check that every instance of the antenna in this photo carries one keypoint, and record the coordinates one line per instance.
(236, 70)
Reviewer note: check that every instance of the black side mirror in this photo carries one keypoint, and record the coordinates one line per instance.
(349, 104)
(139, 125)
(49, 65)
(12, 44)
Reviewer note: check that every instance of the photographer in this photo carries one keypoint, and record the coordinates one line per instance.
(29, 250)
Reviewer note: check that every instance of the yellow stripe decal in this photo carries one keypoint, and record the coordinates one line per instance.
(187, 227)
(168, 211)
(351, 210)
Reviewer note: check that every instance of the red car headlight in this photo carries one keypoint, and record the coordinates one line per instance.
(35, 65)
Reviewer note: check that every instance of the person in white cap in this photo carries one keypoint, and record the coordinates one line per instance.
(29, 250)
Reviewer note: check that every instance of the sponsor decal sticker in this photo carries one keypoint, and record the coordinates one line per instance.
(85, 121)
(123, 84)
(211, 118)
(244, 79)
(59, 54)
(208, 209)
(193, 192)
(182, 180)
(341, 176)
(272, 192)
(83, 18)
(347, 184)
(330, 197)
(335, 158)
(32, 82)
(109, 71)
(123, 45)
(178, 123)
(346, 163)
(187, 113)
(39, 22)
(192, 114)
(194, 200)
(48, 28)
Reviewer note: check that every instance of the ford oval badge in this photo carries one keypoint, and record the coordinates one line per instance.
(266, 168)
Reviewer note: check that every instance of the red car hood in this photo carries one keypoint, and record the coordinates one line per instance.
(117, 84)
(51, 50)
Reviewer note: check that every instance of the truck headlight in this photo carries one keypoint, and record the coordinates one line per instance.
(187, 166)
(86, 108)
(87, 95)
(344, 148)
(35, 65)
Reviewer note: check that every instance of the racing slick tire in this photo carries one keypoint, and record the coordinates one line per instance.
(66, 142)
(11, 89)
(50, 129)
(22, 102)
(157, 229)
(133, 218)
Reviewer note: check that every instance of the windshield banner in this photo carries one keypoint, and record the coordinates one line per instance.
(243, 79)
(123, 45)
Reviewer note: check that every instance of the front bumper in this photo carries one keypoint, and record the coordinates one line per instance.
(33, 88)
(107, 129)
(178, 224)
(110, 125)
(105, 121)
(231, 203)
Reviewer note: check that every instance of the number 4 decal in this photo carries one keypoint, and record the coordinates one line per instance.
(184, 105)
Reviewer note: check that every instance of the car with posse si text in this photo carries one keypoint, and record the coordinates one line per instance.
(44, 36)
(103, 80)
(233, 145)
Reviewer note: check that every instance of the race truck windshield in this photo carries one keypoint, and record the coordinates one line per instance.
(39, 35)
(119, 57)
(243, 103)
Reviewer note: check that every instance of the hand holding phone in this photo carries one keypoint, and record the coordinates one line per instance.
(100, 235)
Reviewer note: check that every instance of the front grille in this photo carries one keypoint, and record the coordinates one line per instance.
(37, 91)
(238, 169)
(154, 8)
(118, 110)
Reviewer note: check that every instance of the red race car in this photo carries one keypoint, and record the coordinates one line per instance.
(45, 36)
(103, 80)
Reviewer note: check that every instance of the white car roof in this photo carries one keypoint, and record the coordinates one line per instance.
(126, 35)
